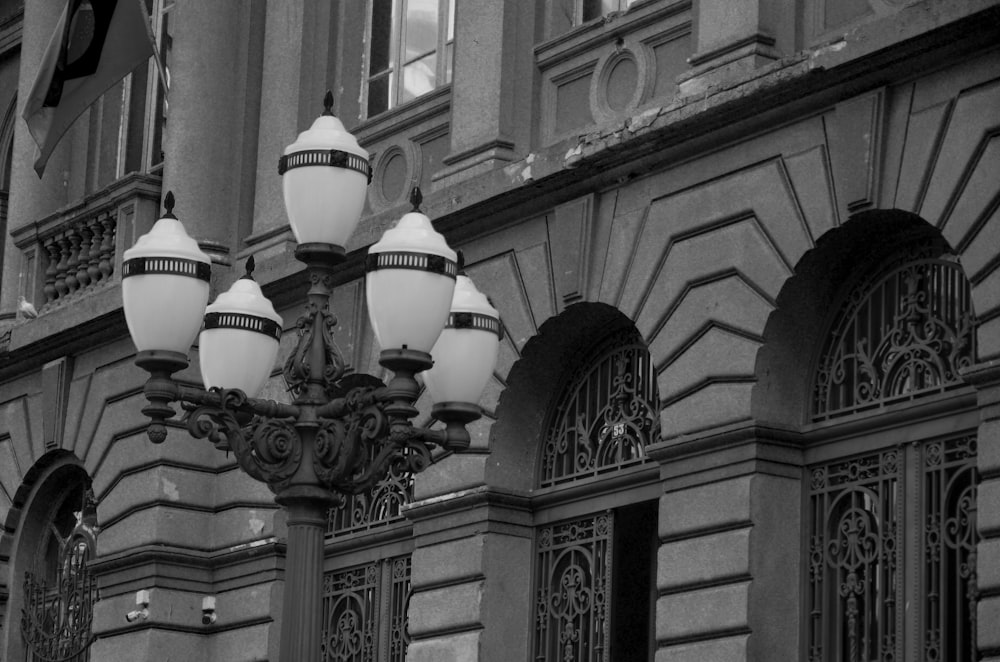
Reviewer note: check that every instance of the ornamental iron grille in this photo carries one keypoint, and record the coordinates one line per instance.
(854, 542)
(904, 332)
(58, 612)
(606, 415)
(573, 576)
(364, 612)
(379, 506)
(950, 537)
(861, 531)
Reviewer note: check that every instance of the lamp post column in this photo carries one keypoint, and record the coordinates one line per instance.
(302, 606)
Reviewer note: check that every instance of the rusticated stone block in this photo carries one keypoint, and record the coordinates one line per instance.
(988, 564)
(729, 649)
(988, 507)
(988, 438)
(450, 608)
(713, 506)
(698, 560)
(463, 647)
(448, 562)
(700, 613)
(988, 615)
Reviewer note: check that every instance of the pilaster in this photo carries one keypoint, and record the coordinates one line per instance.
(735, 37)
(214, 103)
(468, 569)
(299, 47)
(729, 557)
(492, 89)
(986, 378)
(31, 198)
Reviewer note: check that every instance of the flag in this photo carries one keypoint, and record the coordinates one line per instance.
(95, 45)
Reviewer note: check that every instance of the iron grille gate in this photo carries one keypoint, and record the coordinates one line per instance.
(364, 612)
(862, 527)
(56, 619)
(573, 576)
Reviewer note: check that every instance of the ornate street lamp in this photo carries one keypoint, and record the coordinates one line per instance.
(342, 432)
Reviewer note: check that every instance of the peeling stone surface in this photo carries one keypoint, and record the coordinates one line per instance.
(170, 489)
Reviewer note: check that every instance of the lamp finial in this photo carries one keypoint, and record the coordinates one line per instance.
(250, 266)
(328, 103)
(461, 262)
(168, 204)
(416, 197)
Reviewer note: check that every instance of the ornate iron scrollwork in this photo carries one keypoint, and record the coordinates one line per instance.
(907, 330)
(319, 319)
(364, 612)
(860, 527)
(606, 416)
(572, 615)
(56, 619)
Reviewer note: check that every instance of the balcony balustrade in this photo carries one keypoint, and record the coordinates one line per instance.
(77, 250)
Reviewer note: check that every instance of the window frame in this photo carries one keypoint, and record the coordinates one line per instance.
(396, 59)
(154, 92)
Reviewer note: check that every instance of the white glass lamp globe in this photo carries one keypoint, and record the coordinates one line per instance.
(409, 284)
(325, 175)
(165, 279)
(239, 344)
(465, 354)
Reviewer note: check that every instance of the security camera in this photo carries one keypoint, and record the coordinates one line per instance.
(142, 602)
(208, 610)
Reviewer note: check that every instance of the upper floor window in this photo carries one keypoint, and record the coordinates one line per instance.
(146, 100)
(410, 50)
(564, 14)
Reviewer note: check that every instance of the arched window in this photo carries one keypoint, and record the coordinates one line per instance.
(891, 519)
(902, 333)
(595, 548)
(605, 416)
(60, 591)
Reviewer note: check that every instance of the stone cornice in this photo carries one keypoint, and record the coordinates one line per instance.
(476, 497)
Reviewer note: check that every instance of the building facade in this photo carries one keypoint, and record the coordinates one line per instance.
(747, 260)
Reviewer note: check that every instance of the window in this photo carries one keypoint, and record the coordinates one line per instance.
(410, 50)
(60, 592)
(365, 603)
(567, 13)
(892, 529)
(594, 572)
(145, 103)
(6, 163)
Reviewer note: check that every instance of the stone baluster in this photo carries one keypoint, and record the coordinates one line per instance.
(107, 265)
(83, 257)
(71, 264)
(94, 256)
(61, 287)
(52, 254)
